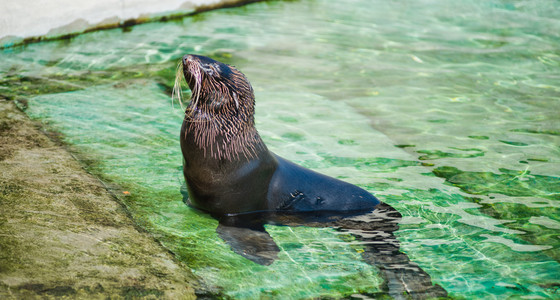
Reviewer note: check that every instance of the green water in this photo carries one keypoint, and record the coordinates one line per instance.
(448, 111)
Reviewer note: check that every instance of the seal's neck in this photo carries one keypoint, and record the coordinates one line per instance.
(223, 134)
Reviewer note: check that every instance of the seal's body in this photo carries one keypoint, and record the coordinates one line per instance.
(231, 174)
(228, 168)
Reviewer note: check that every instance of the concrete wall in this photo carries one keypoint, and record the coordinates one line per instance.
(21, 19)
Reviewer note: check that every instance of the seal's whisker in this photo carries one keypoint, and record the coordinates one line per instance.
(195, 93)
(177, 91)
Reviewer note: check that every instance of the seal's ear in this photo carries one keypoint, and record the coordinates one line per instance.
(236, 100)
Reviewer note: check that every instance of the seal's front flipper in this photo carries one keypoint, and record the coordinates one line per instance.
(251, 242)
(185, 192)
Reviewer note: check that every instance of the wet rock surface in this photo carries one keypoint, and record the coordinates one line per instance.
(63, 234)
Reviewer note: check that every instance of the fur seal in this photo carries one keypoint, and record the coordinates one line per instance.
(227, 167)
(231, 174)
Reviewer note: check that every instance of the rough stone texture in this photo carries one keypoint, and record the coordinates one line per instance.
(61, 232)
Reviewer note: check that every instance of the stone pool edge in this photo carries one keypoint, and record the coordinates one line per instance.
(73, 18)
(62, 233)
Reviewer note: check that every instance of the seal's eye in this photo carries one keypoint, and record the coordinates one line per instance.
(217, 70)
(207, 69)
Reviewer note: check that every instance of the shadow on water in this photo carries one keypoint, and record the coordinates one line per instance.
(403, 279)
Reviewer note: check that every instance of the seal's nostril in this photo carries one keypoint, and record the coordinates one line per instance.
(187, 58)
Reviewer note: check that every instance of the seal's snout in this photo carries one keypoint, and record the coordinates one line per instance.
(188, 59)
(191, 68)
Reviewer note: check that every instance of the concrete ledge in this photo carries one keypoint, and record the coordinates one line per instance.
(25, 21)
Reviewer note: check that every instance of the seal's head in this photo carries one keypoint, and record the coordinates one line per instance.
(220, 115)
(216, 86)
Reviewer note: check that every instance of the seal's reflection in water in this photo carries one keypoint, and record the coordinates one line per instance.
(246, 235)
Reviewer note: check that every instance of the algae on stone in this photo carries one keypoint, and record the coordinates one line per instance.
(63, 235)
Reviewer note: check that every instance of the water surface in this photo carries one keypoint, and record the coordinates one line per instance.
(446, 111)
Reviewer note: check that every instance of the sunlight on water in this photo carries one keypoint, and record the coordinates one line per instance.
(446, 111)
